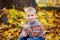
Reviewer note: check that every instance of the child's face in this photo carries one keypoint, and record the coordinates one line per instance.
(30, 16)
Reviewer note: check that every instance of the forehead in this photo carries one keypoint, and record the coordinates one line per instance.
(29, 12)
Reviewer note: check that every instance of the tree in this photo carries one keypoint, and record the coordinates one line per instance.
(19, 4)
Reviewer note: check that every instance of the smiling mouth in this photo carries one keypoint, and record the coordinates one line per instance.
(30, 19)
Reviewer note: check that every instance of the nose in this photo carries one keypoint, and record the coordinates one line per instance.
(30, 18)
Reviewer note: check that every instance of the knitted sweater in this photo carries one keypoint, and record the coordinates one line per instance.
(36, 23)
(33, 24)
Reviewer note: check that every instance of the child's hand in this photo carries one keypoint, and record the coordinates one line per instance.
(26, 26)
(24, 34)
(30, 30)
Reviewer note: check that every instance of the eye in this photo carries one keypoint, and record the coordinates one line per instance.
(32, 15)
(28, 15)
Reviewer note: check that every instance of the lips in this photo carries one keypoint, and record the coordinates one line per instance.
(30, 19)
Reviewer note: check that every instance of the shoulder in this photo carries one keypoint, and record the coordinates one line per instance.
(37, 23)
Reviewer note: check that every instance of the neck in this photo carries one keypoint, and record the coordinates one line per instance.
(31, 22)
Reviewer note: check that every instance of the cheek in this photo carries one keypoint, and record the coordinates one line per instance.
(27, 18)
(33, 17)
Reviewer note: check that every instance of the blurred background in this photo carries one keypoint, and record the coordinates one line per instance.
(12, 17)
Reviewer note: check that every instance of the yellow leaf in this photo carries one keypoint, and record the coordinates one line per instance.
(10, 21)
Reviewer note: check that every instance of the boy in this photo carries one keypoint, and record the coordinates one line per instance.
(29, 24)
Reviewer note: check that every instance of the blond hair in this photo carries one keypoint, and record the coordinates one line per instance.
(30, 9)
